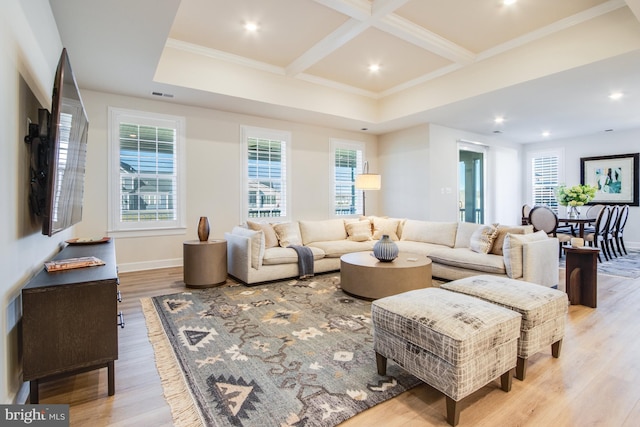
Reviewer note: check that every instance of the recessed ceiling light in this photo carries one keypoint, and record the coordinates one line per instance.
(616, 95)
(546, 133)
(252, 27)
(499, 120)
(374, 68)
(508, 2)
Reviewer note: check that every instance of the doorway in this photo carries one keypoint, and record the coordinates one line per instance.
(471, 177)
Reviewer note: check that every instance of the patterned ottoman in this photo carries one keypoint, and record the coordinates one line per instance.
(453, 342)
(544, 311)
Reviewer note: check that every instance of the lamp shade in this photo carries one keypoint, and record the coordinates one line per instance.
(368, 181)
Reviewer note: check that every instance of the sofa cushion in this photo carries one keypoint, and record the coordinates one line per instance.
(279, 255)
(319, 231)
(440, 233)
(337, 248)
(467, 259)
(482, 239)
(270, 237)
(498, 242)
(464, 232)
(388, 226)
(419, 248)
(257, 244)
(513, 251)
(288, 234)
(358, 231)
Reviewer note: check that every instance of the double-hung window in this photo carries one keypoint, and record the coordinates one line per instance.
(347, 161)
(265, 178)
(146, 173)
(545, 178)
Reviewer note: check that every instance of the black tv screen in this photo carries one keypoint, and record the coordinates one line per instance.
(67, 148)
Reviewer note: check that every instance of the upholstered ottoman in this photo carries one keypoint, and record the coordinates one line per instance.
(453, 342)
(544, 311)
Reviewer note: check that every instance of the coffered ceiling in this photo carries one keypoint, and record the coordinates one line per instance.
(541, 64)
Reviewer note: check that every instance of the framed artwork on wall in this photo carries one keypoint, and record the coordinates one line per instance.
(616, 178)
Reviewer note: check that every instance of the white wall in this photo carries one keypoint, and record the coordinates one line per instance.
(420, 175)
(213, 174)
(601, 144)
(404, 157)
(29, 52)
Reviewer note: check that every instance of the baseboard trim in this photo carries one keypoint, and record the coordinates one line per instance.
(149, 265)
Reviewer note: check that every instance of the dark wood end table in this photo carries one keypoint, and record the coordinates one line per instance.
(582, 275)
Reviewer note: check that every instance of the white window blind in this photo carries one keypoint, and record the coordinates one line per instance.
(146, 189)
(545, 180)
(347, 163)
(265, 177)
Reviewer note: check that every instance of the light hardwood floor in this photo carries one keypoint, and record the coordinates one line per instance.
(595, 382)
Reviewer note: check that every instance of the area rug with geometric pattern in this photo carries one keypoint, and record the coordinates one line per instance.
(290, 353)
(627, 265)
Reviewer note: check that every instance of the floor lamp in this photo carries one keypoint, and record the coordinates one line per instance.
(367, 181)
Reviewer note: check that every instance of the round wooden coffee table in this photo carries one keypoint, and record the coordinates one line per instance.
(363, 276)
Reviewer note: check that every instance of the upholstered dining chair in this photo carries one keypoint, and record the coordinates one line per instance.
(543, 218)
(597, 238)
(619, 231)
(592, 212)
(611, 231)
(525, 214)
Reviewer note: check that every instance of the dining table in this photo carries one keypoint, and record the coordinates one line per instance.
(580, 222)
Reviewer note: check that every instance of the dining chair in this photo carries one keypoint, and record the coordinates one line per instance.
(619, 231)
(611, 231)
(543, 218)
(597, 238)
(525, 214)
(592, 212)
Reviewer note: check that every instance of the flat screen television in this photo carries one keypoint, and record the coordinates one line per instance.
(58, 150)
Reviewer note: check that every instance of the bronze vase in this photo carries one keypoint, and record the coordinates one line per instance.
(203, 229)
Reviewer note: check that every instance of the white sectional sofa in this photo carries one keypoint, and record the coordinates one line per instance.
(259, 252)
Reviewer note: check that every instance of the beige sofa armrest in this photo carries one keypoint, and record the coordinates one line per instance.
(540, 262)
(238, 256)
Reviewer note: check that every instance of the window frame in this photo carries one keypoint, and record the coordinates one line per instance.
(531, 187)
(247, 132)
(118, 228)
(346, 145)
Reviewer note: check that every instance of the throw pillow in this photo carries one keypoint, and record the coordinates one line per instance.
(513, 251)
(257, 244)
(288, 234)
(502, 233)
(482, 239)
(382, 226)
(358, 231)
(270, 238)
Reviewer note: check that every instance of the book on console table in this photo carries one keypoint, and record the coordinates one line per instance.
(69, 263)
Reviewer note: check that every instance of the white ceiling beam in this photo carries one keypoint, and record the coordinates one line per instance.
(380, 8)
(356, 9)
(417, 35)
(634, 5)
(324, 47)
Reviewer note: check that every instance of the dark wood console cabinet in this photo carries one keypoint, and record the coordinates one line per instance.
(70, 319)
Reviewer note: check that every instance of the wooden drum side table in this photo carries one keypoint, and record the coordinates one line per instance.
(363, 276)
(582, 275)
(205, 263)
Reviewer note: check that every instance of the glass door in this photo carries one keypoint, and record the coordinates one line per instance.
(471, 168)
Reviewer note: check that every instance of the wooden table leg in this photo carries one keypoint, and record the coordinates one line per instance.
(111, 378)
(33, 392)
